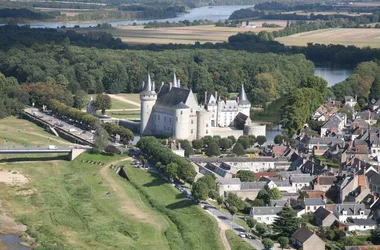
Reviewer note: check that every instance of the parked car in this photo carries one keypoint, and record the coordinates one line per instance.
(242, 235)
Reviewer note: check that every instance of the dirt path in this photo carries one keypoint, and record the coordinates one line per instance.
(223, 229)
(128, 205)
(122, 99)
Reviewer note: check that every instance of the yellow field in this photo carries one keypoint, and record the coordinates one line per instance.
(357, 37)
(179, 35)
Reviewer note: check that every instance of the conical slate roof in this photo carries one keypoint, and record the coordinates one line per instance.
(175, 83)
(243, 96)
(148, 87)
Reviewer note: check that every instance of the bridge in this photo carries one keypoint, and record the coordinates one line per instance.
(72, 151)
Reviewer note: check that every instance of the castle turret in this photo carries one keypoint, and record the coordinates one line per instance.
(244, 104)
(148, 97)
(175, 83)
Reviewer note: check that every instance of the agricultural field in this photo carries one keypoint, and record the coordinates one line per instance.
(179, 35)
(357, 37)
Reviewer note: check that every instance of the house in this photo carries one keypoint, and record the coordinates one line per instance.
(320, 144)
(368, 116)
(351, 210)
(312, 204)
(265, 215)
(349, 101)
(228, 185)
(324, 217)
(307, 240)
(324, 183)
(335, 124)
(374, 105)
(360, 225)
(301, 182)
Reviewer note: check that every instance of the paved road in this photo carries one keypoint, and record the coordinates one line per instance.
(225, 218)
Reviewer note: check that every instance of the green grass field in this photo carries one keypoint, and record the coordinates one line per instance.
(236, 242)
(116, 104)
(16, 132)
(132, 97)
(194, 228)
(66, 203)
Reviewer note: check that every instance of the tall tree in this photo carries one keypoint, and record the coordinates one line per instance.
(238, 149)
(267, 243)
(213, 149)
(283, 241)
(374, 93)
(103, 102)
(287, 222)
(171, 170)
(101, 139)
(80, 99)
(246, 175)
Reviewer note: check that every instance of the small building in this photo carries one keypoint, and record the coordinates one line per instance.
(324, 183)
(311, 205)
(360, 225)
(265, 215)
(228, 185)
(350, 101)
(324, 217)
(351, 210)
(307, 240)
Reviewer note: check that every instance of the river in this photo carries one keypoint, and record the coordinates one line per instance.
(332, 73)
(213, 13)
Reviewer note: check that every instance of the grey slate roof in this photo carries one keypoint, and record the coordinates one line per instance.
(305, 178)
(314, 202)
(326, 140)
(171, 98)
(238, 159)
(265, 210)
(148, 87)
(321, 213)
(243, 96)
(278, 203)
(229, 181)
(302, 234)
(351, 208)
(363, 222)
(181, 105)
(255, 185)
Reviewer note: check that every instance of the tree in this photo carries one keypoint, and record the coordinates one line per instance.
(186, 172)
(263, 195)
(238, 149)
(286, 223)
(171, 170)
(262, 229)
(185, 144)
(225, 143)
(375, 236)
(261, 140)
(235, 201)
(251, 222)
(197, 144)
(275, 194)
(103, 102)
(101, 139)
(283, 241)
(200, 191)
(267, 243)
(233, 210)
(232, 138)
(374, 92)
(279, 139)
(213, 149)
(246, 175)
(219, 200)
(80, 99)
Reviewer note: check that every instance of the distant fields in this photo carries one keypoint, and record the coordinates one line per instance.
(179, 35)
(357, 37)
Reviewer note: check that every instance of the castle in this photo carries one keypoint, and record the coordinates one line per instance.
(174, 112)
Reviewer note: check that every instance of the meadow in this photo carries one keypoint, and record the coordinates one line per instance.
(179, 35)
(117, 104)
(358, 37)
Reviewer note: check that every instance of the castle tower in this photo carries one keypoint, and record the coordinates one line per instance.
(244, 104)
(148, 97)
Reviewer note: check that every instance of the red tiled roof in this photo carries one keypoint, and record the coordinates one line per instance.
(330, 207)
(265, 174)
(315, 194)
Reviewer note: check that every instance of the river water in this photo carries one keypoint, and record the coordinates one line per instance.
(332, 73)
(213, 13)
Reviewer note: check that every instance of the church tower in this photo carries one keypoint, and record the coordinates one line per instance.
(148, 97)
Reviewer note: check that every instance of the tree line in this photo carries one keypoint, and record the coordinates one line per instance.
(173, 166)
(184, 23)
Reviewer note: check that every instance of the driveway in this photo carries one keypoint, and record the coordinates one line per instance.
(225, 218)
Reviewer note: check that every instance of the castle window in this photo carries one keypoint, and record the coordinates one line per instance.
(192, 122)
(206, 125)
(206, 131)
(191, 110)
(164, 118)
(177, 118)
(191, 131)
(181, 112)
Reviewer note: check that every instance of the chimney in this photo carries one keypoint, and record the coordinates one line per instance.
(143, 84)
(238, 100)
(170, 85)
(179, 83)
(154, 86)
(179, 146)
(167, 141)
(216, 96)
(172, 145)
(205, 97)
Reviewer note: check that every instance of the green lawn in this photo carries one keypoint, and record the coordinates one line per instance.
(116, 104)
(66, 203)
(194, 228)
(16, 132)
(237, 243)
(125, 116)
(132, 97)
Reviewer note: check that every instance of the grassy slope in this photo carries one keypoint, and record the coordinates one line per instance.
(236, 242)
(194, 228)
(19, 133)
(116, 104)
(66, 203)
